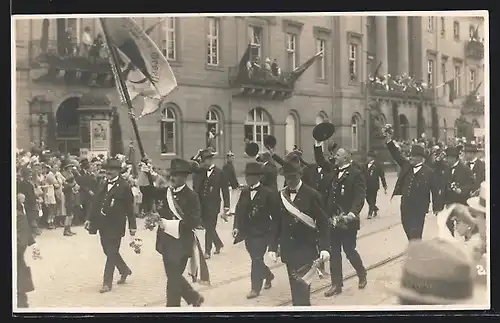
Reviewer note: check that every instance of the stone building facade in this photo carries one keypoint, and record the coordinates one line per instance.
(55, 104)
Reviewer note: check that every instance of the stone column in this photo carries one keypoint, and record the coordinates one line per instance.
(381, 47)
(403, 52)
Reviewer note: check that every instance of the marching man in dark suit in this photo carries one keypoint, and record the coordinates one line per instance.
(374, 174)
(253, 220)
(176, 240)
(270, 172)
(415, 184)
(459, 182)
(112, 207)
(302, 232)
(209, 184)
(477, 166)
(343, 192)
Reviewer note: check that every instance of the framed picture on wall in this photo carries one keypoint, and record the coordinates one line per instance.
(100, 135)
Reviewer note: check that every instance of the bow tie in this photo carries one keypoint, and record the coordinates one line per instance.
(253, 189)
(417, 166)
(112, 182)
(472, 163)
(290, 191)
(210, 169)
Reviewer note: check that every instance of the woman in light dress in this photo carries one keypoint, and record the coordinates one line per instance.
(60, 212)
(49, 196)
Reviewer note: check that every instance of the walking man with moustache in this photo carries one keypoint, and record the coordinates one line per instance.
(476, 165)
(415, 184)
(301, 232)
(254, 218)
(209, 184)
(112, 207)
(374, 174)
(176, 240)
(343, 193)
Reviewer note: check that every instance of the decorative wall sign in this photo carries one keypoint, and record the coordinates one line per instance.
(100, 135)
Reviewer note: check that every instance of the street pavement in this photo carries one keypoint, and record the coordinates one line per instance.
(70, 273)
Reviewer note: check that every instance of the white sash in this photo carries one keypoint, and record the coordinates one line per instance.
(172, 226)
(293, 210)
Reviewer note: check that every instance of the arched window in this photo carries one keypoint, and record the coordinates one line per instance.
(168, 131)
(213, 130)
(355, 132)
(257, 125)
(290, 132)
(404, 127)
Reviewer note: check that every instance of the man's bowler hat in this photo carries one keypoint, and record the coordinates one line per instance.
(112, 163)
(323, 131)
(417, 150)
(179, 166)
(290, 169)
(253, 168)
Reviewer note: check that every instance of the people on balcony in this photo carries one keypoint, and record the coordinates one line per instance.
(275, 70)
(398, 83)
(87, 42)
(263, 73)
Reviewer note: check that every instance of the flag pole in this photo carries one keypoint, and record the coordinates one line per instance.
(121, 82)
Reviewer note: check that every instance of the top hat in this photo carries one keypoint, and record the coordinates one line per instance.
(417, 150)
(270, 141)
(112, 163)
(452, 151)
(252, 149)
(479, 202)
(253, 168)
(323, 131)
(206, 153)
(436, 272)
(290, 169)
(180, 166)
(371, 153)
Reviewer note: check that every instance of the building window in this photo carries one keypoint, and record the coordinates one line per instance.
(472, 80)
(443, 27)
(213, 42)
(169, 47)
(472, 31)
(321, 63)
(443, 76)
(257, 125)
(213, 130)
(291, 51)
(457, 86)
(255, 35)
(353, 54)
(355, 133)
(168, 132)
(430, 24)
(456, 30)
(430, 72)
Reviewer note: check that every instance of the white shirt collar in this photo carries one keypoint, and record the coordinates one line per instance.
(343, 168)
(297, 188)
(178, 189)
(474, 160)
(113, 179)
(255, 186)
(455, 165)
(266, 162)
(418, 165)
(211, 168)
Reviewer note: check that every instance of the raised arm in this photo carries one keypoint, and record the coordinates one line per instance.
(319, 157)
(396, 154)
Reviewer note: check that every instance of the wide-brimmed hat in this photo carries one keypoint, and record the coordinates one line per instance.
(253, 168)
(252, 149)
(206, 153)
(417, 150)
(290, 169)
(436, 272)
(371, 153)
(452, 152)
(179, 166)
(112, 163)
(323, 131)
(479, 202)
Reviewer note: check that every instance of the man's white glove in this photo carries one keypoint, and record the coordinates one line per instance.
(272, 256)
(324, 255)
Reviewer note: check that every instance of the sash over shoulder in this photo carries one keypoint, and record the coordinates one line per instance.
(294, 211)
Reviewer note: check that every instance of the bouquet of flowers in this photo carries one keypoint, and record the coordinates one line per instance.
(151, 221)
(136, 244)
(387, 129)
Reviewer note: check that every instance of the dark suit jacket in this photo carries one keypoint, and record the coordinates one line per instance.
(479, 172)
(25, 236)
(28, 190)
(87, 183)
(117, 206)
(209, 190)
(298, 242)
(270, 177)
(427, 185)
(374, 175)
(230, 175)
(464, 178)
(345, 194)
(255, 218)
(175, 249)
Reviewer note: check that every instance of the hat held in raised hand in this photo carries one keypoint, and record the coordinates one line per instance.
(323, 131)
(252, 149)
(270, 141)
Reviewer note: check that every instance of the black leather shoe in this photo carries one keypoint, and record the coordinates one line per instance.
(362, 282)
(369, 215)
(207, 255)
(268, 283)
(375, 214)
(217, 250)
(105, 289)
(252, 294)
(334, 290)
(199, 301)
(123, 277)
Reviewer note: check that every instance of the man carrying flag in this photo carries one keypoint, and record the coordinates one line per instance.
(176, 238)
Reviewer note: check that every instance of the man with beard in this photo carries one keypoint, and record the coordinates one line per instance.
(253, 219)
(208, 184)
(343, 193)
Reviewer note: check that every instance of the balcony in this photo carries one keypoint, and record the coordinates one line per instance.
(474, 49)
(261, 84)
(473, 105)
(66, 63)
(399, 88)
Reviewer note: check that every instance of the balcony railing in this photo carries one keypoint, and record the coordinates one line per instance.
(473, 105)
(474, 49)
(394, 89)
(260, 79)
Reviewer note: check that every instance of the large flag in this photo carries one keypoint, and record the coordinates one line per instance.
(298, 71)
(144, 69)
(453, 94)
